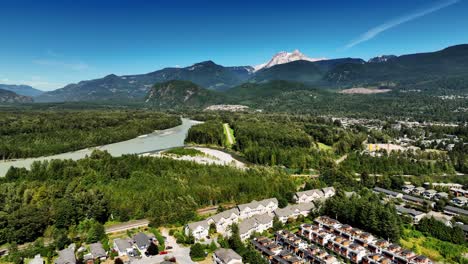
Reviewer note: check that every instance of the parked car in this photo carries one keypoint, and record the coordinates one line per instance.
(163, 253)
(169, 247)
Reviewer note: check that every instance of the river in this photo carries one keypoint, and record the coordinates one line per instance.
(158, 140)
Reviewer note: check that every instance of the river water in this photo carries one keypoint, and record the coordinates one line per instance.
(158, 140)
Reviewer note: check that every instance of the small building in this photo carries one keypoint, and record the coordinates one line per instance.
(141, 240)
(199, 230)
(123, 247)
(226, 256)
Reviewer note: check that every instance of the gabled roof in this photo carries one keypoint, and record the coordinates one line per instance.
(227, 255)
(328, 189)
(255, 204)
(409, 211)
(141, 239)
(456, 210)
(226, 214)
(247, 225)
(310, 193)
(66, 256)
(97, 250)
(264, 219)
(388, 192)
(194, 225)
(413, 199)
(122, 244)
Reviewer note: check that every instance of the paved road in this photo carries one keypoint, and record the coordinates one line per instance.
(126, 226)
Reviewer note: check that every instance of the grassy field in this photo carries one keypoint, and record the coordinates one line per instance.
(324, 147)
(229, 133)
(433, 248)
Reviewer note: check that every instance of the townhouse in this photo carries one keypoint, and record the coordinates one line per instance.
(224, 220)
(226, 256)
(257, 224)
(459, 192)
(293, 211)
(355, 245)
(257, 208)
(308, 196)
(199, 230)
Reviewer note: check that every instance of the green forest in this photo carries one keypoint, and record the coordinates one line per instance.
(62, 194)
(37, 133)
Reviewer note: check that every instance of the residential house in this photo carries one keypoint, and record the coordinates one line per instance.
(293, 211)
(415, 215)
(257, 208)
(418, 201)
(142, 241)
(226, 256)
(458, 192)
(389, 193)
(451, 210)
(66, 256)
(247, 228)
(441, 195)
(429, 194)
(460, 201)
(308, 196)
(199, 230)
(328, 192)
(123, 247)
(257, 224)
(224, 220)
(37, 260)
(97, 251)
(418, 190)
(408, 188)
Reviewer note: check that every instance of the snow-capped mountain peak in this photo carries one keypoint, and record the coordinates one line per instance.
(285, 57)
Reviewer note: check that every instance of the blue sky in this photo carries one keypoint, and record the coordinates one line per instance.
(48, 44)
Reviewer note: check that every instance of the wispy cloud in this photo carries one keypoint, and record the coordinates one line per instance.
(373, 32)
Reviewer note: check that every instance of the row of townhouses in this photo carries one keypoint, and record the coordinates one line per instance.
(357, 246)
(257, 216)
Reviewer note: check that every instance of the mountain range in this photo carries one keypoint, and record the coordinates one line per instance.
(430, 71)
(12, 97)
(25, 90)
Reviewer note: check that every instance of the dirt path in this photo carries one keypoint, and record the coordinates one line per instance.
(338, 161)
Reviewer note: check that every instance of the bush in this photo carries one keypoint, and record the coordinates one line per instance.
(197, 252)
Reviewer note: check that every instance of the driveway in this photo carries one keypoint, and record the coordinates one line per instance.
(182, 254)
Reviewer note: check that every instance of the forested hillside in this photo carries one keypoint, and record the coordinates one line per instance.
(37, 133)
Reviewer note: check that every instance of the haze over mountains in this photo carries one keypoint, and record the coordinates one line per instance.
(429, 71)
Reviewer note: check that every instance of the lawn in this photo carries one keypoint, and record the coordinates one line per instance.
(324, 147)
(229, 133)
